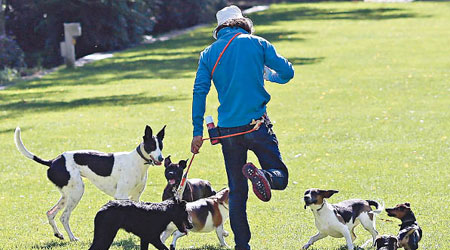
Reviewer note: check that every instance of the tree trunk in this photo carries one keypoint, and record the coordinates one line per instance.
(2, 20)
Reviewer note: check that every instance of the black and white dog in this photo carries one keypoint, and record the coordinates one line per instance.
(121, 175)
(146, 220)
(386, 242)
(339, 220)
(195, 188)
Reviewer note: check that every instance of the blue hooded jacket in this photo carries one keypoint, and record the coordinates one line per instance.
(238, 78)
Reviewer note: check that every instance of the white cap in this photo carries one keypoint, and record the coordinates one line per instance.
(209, 119)
(228, 13)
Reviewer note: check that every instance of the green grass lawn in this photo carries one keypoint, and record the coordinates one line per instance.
(368, 114)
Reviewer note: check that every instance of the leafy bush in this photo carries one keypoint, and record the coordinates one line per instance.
(8, 74)
(106, 25)
(176, 14)
(11, 56)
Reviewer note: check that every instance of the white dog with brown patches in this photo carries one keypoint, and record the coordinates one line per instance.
(206, 214)
(339, 220)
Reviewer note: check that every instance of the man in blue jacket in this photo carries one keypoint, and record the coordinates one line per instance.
(239, 80)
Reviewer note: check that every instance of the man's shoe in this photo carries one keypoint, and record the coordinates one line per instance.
(261, 186)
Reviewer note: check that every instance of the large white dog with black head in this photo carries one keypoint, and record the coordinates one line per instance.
(121, 175)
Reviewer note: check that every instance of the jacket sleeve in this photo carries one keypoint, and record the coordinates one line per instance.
(281, 69)
(202, 86)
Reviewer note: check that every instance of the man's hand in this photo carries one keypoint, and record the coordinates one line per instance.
(196, 144)
(267, 73)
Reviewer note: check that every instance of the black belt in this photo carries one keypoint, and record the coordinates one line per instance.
(247, 127)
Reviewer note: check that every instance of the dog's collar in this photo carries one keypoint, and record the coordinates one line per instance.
(147, 160)
(323, 204)
(407, 223)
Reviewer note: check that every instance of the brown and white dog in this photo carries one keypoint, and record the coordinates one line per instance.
(122, 175)
(195, 188)
(386, 242)
(206, 214)
(410, 233)
(339, 220)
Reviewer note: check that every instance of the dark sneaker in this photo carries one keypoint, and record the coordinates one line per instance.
(261, 186)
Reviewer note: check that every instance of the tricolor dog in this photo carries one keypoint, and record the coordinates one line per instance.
(121, 175)
(195, 188)
(339, 220)
(410, 233)
(206, 214)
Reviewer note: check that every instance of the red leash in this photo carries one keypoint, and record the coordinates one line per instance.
(182, 186)
(221, 53)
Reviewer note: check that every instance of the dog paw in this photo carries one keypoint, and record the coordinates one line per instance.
(225, 234)
(74, 238)
(59, 236)
(225, 245)
(306, 246)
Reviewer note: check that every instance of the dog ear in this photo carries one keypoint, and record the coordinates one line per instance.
(225, 194)
(378, 240)
(183, 203)
(407, 204)
(182, 163)
(167, 161)
(148, 133)
(160, 134)
(394, 240)
(328, 193)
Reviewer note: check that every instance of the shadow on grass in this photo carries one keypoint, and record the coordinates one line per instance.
(110, 71)
(207, 247)
(310, 13)
(10, 130)
(36, 94)
(115, 100)
(273, 36)
(305, 60)
(51, 244)
(343, 247)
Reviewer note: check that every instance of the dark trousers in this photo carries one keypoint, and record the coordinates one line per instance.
(264, 144)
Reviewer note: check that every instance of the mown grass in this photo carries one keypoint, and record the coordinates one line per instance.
(368, 113)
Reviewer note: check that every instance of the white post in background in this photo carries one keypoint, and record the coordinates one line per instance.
(71, 30)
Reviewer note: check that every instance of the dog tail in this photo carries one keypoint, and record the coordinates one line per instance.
(25, 152)
(379, 207)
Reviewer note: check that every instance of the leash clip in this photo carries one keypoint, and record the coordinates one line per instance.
(257, 123)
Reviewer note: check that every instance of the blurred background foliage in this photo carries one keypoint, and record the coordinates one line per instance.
(35, 27)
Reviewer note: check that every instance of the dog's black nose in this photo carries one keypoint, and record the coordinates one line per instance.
(160, 158)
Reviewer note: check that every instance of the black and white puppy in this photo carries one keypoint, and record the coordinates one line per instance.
(143, 219)
(195, 188)
(386, 242)
(339, 220)
(121, 175)
(410, 233)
